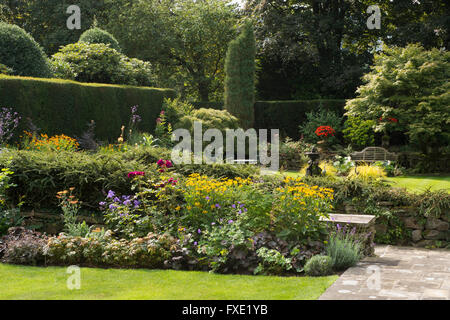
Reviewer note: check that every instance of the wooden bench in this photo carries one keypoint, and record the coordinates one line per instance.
(364, 225)
(373, 154)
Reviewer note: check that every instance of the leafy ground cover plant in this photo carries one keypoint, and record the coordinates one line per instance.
(23, 246)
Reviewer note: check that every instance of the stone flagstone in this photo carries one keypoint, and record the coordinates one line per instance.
(395, 273)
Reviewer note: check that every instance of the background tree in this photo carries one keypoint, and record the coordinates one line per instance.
(239, 94)
(185, 40)
(320, 49)
(46, 20)
(411, 86)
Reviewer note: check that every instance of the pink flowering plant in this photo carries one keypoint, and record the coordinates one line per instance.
(163, 130)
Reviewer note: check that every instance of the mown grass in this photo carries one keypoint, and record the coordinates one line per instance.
(23, 282)
(416, 184)
(419, 184)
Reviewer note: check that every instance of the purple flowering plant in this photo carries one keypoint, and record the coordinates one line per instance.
(9, 121)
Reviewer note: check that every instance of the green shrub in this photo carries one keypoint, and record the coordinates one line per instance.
(40, 175)
(292, 155)
(140, 72)
(97, 35)
(318, 265)
(61, 106)
(20, 52)
(175, 109)
(344, 251)
(210, 119)
(359, 132)
(94, 62)
(322, 117)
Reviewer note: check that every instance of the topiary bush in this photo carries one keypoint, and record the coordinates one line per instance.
(210, 119)
(318, 265)
(97, 35)
(21, 53)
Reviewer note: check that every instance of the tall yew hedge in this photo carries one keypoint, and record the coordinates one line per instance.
(62, 106)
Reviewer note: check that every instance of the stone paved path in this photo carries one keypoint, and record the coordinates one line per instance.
(395, 273)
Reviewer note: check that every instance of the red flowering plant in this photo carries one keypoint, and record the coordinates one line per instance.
(325, 131)
(392, 120)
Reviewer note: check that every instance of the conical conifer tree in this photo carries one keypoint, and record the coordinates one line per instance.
(240, 76)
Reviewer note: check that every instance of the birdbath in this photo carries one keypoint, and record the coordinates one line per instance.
(313, 163)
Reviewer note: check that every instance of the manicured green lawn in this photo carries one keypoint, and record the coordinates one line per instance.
(20, 282)
(421, 183)
(411, 183)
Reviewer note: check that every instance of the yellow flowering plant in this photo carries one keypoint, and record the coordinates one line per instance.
(208, 199)
(298, 208)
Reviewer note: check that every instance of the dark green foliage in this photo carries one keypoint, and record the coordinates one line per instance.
(96, 62)
(288, 115)
(239, 94)
(318, 265)
(61, 106)
(97, 35)
(20, 52)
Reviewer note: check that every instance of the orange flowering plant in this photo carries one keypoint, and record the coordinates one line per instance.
(70, 206)
(44, 142)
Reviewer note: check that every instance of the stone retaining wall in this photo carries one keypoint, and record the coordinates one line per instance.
(423, 231)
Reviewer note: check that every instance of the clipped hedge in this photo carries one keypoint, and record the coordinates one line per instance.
(288, 115)
(62, 106)
(285, 115)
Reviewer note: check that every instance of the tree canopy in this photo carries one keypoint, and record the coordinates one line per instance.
(410, 87)
(184, 38)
